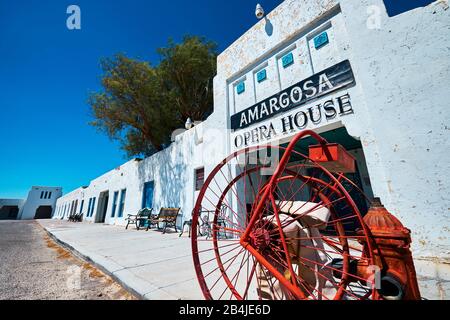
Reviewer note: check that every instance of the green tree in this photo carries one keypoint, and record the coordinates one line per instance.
(141, 105)
(187, 71)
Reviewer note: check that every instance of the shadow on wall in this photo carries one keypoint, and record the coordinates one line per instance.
(396, 7)
(268, 27)
(170, 180)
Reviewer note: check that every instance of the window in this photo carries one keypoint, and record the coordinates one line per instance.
(93, 206)
(240, 87)
(45, 195)
(261, 75)
(89, 207)
(81, 206)
(49, 195)
(321, 40)
(199, 178)
(114, 205)
(42, 194)
(287, 60)
(122, 202)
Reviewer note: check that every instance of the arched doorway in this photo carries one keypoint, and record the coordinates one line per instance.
(43, 212)
(102, 207)
(9, 212)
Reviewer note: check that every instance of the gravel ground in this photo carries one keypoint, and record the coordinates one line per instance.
(33, 266)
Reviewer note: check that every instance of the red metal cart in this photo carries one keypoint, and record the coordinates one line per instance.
(292, 230)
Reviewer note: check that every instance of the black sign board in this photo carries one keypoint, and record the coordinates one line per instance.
(316, 86)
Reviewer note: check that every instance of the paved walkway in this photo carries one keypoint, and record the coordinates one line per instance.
(33, 266)
(154, 265)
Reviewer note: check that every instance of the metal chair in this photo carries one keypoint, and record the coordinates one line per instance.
(205, 227)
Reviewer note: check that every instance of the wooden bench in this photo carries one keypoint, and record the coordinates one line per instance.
(205, 222)
(167, 216)
(143, 215)
(71, 217)
(76, 217)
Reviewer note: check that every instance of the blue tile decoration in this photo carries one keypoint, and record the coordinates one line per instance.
(261, 75)
(287, 60)
(321, 40)
(240, 87)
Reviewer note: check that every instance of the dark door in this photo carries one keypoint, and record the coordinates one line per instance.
(147, 197)
(105, 207)
(43, 212)
(9, 212)
(147, 200)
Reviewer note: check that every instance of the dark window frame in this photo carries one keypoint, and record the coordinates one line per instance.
(114, 204)
(199, 178)
(81, 206)
(123, 194)
(93, 205)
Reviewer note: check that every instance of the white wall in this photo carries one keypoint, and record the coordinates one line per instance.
(63, 204)
(11, 202)
(402, 71)
(399, 100)
(35, 200)
(172, 171)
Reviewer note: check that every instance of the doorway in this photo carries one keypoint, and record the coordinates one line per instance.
(9, 212)
(147, 198)
(102, 208)
(357, 183)
(43, 212)
(360, 178)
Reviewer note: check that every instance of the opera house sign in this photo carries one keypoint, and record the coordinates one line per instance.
(337, 77)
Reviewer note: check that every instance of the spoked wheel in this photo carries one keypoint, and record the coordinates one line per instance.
(279, 230)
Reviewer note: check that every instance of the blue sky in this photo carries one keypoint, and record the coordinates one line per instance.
(47, 71)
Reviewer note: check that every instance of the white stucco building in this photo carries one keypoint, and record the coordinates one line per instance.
(374, 83)
(39, 204)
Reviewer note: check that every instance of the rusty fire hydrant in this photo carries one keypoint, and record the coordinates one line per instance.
(392, 255)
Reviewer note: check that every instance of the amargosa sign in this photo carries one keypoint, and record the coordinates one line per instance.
(320, 84)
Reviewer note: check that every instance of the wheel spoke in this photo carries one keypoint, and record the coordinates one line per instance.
(283, 254)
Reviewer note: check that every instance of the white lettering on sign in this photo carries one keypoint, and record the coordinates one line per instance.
(297, 120)
(318, 85)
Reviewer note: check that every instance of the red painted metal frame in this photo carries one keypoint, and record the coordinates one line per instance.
(336, 160)
(266, 195)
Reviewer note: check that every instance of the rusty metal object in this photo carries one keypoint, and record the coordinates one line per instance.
(286, 235)
(284, 230)
(333, 157)
(392, 255)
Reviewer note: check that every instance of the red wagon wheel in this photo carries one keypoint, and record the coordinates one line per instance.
(279, 231)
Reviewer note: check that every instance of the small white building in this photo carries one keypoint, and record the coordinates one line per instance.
(343, 68)
(10, 208)
(39, 204)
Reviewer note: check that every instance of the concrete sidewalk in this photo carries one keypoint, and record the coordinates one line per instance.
(152, 264)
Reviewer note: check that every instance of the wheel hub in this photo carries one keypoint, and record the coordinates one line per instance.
(260, 238)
